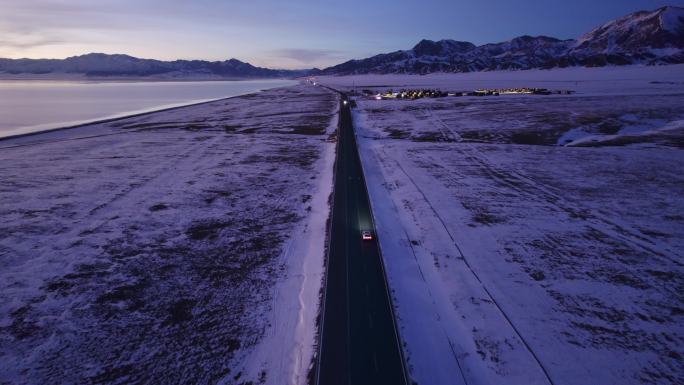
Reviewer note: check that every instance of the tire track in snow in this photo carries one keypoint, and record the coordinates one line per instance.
(422, 275)
(465, 260)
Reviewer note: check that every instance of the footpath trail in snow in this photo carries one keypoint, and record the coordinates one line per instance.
(168, 247)
(515, 257)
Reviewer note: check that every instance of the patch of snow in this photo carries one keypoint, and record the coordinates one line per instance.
(641, 126)
(573, 135)
(672, 20)
(663, 52)
(643, 132)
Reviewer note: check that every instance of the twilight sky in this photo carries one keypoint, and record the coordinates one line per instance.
(285, 33)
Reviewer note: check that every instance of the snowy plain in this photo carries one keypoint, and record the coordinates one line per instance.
(532, 239)
(184, 246)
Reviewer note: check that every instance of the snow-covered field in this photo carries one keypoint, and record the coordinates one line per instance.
(177, 247)
(533, 239)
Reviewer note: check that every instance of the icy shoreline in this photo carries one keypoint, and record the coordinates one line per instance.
(129, 112)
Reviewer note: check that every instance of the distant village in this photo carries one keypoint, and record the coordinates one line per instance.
(435, 93)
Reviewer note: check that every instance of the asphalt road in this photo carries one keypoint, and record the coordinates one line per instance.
(359, 343)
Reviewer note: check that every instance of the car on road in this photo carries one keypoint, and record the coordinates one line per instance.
(366, 235)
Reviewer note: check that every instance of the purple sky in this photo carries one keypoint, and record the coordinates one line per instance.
(285, 33)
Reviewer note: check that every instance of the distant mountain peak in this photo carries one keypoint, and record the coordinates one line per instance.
(441, 47)
(672, 19)
(528, 38)
(661, 28)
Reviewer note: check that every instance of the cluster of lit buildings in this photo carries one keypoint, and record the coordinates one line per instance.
(411, 94)
(516, 91)
(434, 93)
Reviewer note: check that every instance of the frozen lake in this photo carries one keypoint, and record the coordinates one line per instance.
(36, 105)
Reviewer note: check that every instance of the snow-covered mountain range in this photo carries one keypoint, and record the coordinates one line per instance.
(645, 37)
(103, 65)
